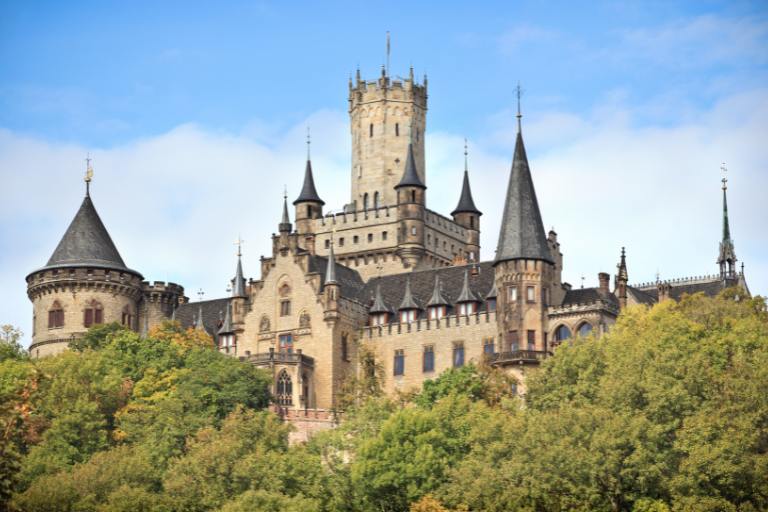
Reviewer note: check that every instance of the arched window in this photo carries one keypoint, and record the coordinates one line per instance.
(284, 389)
(584, 329)
(55, 316)
(127, 317)
(93, 314)
(365, 202)
(375, 200)
(370, 130)
(562, 333)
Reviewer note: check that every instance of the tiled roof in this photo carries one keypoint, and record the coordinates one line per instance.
(213, 314)
(308, 190)
(587, 296)
(349, 280)
(466, 203)
(676, 291)
(410, 176)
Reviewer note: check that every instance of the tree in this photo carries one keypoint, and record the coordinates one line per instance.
(10, 348)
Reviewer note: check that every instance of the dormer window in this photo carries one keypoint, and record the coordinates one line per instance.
(467, 308)
(408, 316)
(379, 319)
(436, 312)
(491, 304)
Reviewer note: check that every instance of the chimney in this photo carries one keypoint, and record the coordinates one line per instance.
(605, 280)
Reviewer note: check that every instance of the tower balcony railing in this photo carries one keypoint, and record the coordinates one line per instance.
(272, 357)
(516, 357)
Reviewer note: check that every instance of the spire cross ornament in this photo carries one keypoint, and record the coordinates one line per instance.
(465, 154)
(724, 169)
(239, 244)
(200, 294)
(309, 142)
(88, 174)
(519, 92)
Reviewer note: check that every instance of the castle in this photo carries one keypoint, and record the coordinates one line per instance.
(386, 273)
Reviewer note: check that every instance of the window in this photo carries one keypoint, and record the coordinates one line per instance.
(413, 230)
(428, 361)
(584, 329)
(530, 294)
(467, 308)
(344, 348)
(562, 333)
(285, 307)
(55, 316)
(355, 239)
(309, 211)
(341, 242)
(370, 130)
(531, 340)
(458, 355)
(127, 317)
(327, 244)
(378, 319)
(471, 222)
(407, 316)
(375, 200)
(284, 389)
(285, 343)
(491, 304)
(436, 312)
(93, 314)
(413, 196)
(383, 235)
(512, 341)
(370, 237)
(397, 129)
(512, 293)
(488, 346)
(399, 366)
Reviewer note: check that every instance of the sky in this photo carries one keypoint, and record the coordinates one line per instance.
(195, 115)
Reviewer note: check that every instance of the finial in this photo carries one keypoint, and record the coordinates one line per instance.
(465, 154)
(239, 244)
(623, 253)
(582, 281)
(285, 192)
(388, 51)
(200, 294)
(309, 142)
(724, 169)
(88, 174)
(742, 268)
(519, 92)
(658, 276)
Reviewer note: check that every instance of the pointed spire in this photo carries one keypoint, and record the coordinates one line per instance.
(467, 295)
(199, 323)
(408, 302)
(330, 270)
(437, 298)
(522, 231)
(410, 176)
(623, 275)
(727, 257)
(466, 203)
(226, 325)
(308, 191)
(238, 290)
(378, 303)
(285, 222)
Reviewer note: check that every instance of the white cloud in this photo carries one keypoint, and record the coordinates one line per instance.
(175, 202)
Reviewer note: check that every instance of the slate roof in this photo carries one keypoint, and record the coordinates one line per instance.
(408, 301)
(588, 295)
(213, 314)
(423, 284)
(87, 243)
(348, 279)
(238, 290)
(410, 176)
(466, 203)
(641, 296)
(308, 191)
(522, 230)
(676, 291)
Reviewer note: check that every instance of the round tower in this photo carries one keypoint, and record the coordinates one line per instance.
(308, 205)
(84, 283)
(411, 201)
(385, 117)
(467, 215)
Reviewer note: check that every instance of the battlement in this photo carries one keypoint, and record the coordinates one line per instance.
(444, 224)
(581, 307)
(400, 89)
(448, 322)
(160, 291)
(651, 285)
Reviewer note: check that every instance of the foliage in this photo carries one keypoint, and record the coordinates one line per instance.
(96, 337)
(10, 348)
(476, 382)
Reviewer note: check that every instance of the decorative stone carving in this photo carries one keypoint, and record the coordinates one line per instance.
(304, 320)
(264, 324)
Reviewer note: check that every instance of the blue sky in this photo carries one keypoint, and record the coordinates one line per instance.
(195, 113)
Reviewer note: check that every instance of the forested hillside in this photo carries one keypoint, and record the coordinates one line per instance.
(667, 412)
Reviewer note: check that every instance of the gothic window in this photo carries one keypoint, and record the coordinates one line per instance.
(305, 322)
(264, 324)
(399, 363)
(458, 355)
(93, 314)
(344, 348)
(531, 340)
(284, 389)
(584, 329)
(530, 294)
(370, 130)
(127, 317)
(512, 293)
(413, 196)
(55, 316)
(397, 129)
(309, 211)
(375, 200)
(285, 307)
(428, 362)
(562, 333)
(472, 222)
(285, 343)
(365, 202)
(489, 347)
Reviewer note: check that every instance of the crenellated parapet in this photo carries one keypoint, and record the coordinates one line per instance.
(449, 325)
(80, 279)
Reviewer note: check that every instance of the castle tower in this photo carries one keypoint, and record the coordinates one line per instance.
(385, 117)
(308, 205)
(84, 283)
(467, 215)
(411, 201)
(727, 256)
(524, 267)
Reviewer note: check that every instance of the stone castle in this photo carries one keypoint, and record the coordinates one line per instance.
(387, 274)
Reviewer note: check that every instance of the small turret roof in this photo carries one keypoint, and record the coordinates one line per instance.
(308, 191)
(408, 301)
(466, 203)
(492, 293)
(410, 175)
(378, 303)
(285, 221)
(467, 295)
(226, 326)
(238, 290)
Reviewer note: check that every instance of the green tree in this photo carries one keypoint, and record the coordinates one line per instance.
(10, 348)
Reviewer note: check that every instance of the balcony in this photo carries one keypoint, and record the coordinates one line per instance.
(271, 358)
(519, 357)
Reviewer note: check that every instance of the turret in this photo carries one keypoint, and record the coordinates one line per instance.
(331, 288)
(467, 301)
(621, 281)
(239, 292)
(379, 312)
(411, 200)
(727, 256)
(226, 334)
(438, 305)
(409, 308)
(467, 215)
(308, 205)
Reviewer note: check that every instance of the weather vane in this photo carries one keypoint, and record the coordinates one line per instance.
(465, 153)
(519, 91)
(88, 173)
(309, 142)
(724, 169)
(200, 294)
(239, 244)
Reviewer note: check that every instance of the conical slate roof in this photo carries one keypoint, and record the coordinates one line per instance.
(522, 231)
(408, 301)
(437, 298)
(467, 295)
(87, 243)
(226, 326)
(378, 303)
(285, 220)
(410, 176)
(238, 290)
(466, 203)
(492, 293)
(308, 191)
